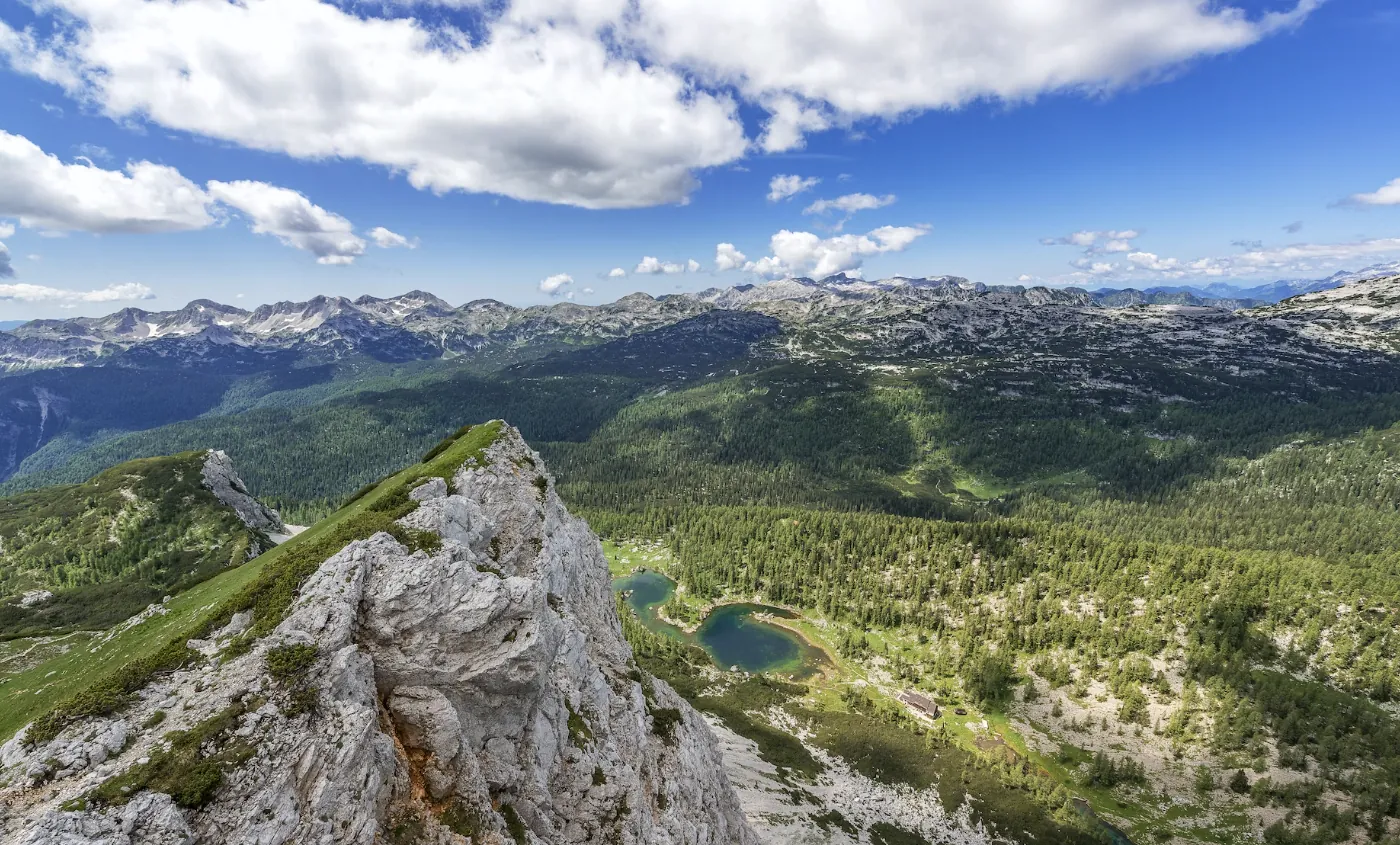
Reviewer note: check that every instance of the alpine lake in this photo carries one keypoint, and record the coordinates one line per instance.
(735, 636)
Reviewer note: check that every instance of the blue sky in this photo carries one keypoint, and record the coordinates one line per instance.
(1213, 141)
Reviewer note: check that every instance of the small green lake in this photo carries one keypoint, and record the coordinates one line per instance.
(734, 635)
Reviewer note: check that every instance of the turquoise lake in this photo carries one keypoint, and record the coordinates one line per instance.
(733, 635)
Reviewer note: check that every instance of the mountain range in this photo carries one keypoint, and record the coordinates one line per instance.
(1282, 289)
(420, 326)
(72, 383)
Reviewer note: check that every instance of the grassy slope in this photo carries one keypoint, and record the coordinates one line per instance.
(33, 692)
(83, 681)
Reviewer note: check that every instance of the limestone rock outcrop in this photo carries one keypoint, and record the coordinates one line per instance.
(480, 693)
(227, 487)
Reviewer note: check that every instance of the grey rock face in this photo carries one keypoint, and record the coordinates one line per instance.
(150, 819)
(34, 597)
(482, 693)
(228, 488)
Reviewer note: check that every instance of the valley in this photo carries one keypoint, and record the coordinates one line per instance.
(1142, 558)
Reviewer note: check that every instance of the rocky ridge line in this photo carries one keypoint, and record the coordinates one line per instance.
(481, 693)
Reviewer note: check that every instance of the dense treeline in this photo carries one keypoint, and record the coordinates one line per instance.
(820, 434)
(325, 451)
(1334, 499)
(876, 570)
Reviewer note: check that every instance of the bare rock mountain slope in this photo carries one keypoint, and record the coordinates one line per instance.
(69, 385)
(458, 677)
(1364, 313)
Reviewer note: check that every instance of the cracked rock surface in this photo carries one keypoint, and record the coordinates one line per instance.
(480, 693)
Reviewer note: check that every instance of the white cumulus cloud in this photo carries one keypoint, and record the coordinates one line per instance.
(651, 265)
(39, 293)
(727, 257)
(807, 254)
(93, 152)
(554, 285)
(1296, 260)
(7, 267)
(1387, 194)
(595, 103)
(1306, 257)
(540, 107)
(616, 273)
(1108, 240)
(293, 219)
(783, 187)
(790, 119)
(850, 204)
(45, 193)
(1092, 267)
(385, 239)
(831, 62)
(1150, 261)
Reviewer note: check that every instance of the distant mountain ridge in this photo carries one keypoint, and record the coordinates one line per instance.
(418, 325)
(73, 383)
(412, 326)
(1279, 290)
(1127, 297)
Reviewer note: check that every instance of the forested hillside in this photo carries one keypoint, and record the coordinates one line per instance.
(89, 555)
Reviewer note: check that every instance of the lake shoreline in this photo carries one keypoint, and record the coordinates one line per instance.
(779, 622)
(649, 589)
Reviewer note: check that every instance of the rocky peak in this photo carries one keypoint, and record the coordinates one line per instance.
(475, 690)
(638, 299)
(492, 305)
(227, 487)
(414, 304)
